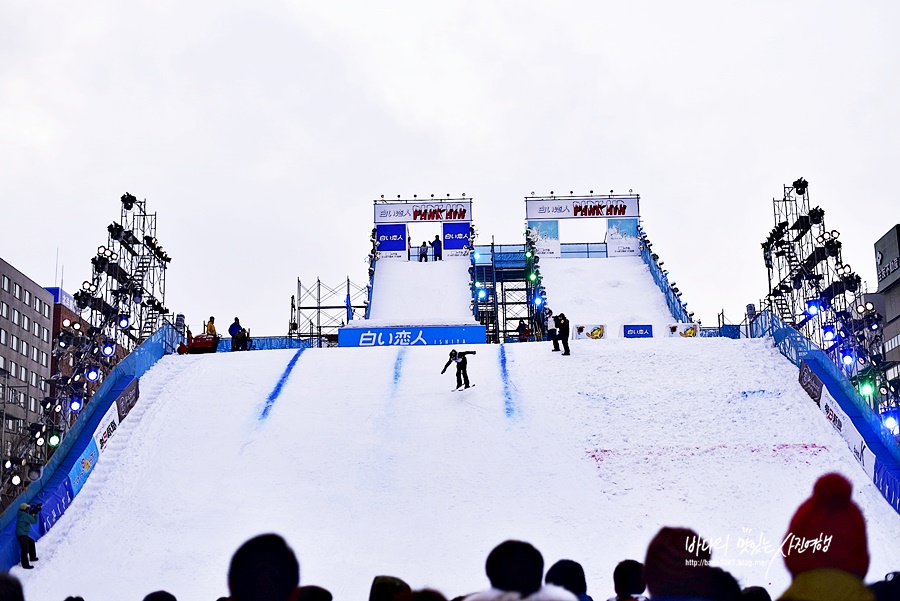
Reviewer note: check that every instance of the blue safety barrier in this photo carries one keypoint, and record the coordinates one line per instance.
(55, 487)
(267, 343)
(796, 347)
(673, 300)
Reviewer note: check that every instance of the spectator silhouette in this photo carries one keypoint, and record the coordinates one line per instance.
(10, 588)
(628, 580)
(264, 569)
(515, 570)
(388, 588)
(160, 596)
(569, 575)
(313, 593)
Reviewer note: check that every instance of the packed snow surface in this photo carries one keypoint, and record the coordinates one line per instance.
(609, 291)
(368, 464)
(407, 293)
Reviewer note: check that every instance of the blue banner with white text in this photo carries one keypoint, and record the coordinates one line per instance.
(84, 466)
(637, 331)
(412, 336)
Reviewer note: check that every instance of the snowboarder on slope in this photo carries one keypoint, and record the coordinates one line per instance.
(462, 376)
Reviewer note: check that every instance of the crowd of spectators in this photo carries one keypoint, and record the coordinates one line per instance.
(829, 563)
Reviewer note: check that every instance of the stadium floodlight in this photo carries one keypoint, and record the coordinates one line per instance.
(828, 333)
(482, 294)
(813, 307)
(532, 276)
(35, 471)
(108, 348)
(66, 322)
(75, 404)
(891, 424)
(92, 373)
(123, 321)
(16, 480)
(538, 301)
(477, 256)
(54, 438)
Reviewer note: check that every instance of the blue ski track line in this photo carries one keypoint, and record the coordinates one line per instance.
(510, 406)
(398, 368)
(276, 392)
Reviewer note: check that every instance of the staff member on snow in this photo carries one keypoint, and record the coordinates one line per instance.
(562, 326)
(26, 517)
(461, 374)
(211, 326)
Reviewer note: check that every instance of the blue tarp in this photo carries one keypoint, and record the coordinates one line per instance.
(268, 343)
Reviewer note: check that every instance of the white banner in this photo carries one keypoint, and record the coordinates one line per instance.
(547, 233)
(394, 254)
(436, 212)
(841, 422)
(581, 207)
(684, 330)
(622, 238)
(108, 426)
(589, 331)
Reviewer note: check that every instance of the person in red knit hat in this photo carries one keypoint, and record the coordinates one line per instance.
(825, 548)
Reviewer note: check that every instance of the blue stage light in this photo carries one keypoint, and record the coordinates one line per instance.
(538, 301)
(92, 373)
(108, 348)
(813, 307)
(482, 294)
(891, 424)
(124, 321)
(477, 256)
(828, 333)
(847, 357)
(75, 404)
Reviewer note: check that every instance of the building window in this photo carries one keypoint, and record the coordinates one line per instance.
(14, 343)
(4, 310)
(35, 354)
(23, 348)
(43, 358)
(36, 329)
(17, 290)
(45, 334)
(2, 362)
(27, 298)
(3, 337)
(15, 316)
(46, 310)
(32, 403)
(37, 304)
(23, 373)
(26, 323)
(6, 283)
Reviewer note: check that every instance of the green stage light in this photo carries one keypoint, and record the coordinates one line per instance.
(532, 276)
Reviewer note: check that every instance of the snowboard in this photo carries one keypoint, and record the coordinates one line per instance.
(460, 389)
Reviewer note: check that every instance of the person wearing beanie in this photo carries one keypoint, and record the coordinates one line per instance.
(677, 565)
(569, 575)
(515, 570)
(825, 548)
(264, 569)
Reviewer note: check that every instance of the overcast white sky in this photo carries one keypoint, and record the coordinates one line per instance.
(260, 132)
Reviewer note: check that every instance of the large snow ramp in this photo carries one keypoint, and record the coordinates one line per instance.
(368, 464)
(610, 291)
(411, 293)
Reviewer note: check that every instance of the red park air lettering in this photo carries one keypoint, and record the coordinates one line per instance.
(598, 209)
(439, 214)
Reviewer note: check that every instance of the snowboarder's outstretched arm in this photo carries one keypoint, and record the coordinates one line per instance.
(467, 353)
(446, 366)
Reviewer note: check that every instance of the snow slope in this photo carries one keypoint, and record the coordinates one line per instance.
(411, 293)
(612, 291)
(368, 464)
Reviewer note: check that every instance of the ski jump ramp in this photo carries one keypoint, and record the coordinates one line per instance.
(368, 464)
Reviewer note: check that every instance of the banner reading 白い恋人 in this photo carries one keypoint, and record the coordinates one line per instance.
(436, 211)
(391, 240)
(581, 207)
(456, 239)
(547, 233)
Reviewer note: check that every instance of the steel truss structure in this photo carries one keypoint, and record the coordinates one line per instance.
(815, 292)
(319, 310)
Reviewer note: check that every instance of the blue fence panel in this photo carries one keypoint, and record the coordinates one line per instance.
(679, 313)
(80, 436)
(267, 343)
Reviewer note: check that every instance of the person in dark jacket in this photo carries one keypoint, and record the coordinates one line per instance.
(26, 517)
(264, 568)
(562, 328)
(438, 247)
(423, 252)
(238, 335)
(462, 376)
(628, 580)
(523, 331)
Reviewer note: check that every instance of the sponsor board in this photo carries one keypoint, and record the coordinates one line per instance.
(841, 422)
(107, 427)
(403, 212)
(128, 397)
(637, 331)
(456, 239)
(684, 330)
(581, 207)
(622, 238)
(84, 466)
(589, 331)
(392, 240)
(810, 382)
(547, 233)
(412, 336)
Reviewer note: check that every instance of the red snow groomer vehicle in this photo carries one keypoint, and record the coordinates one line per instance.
(198, 345)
